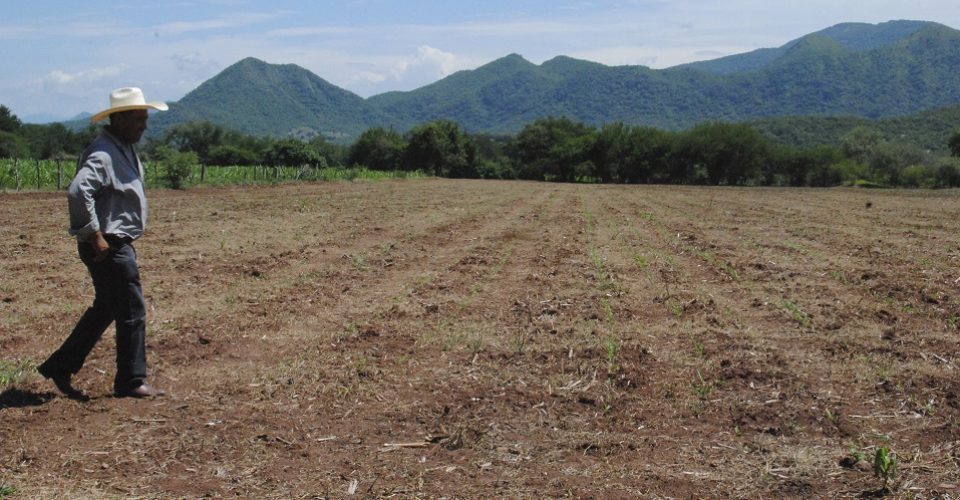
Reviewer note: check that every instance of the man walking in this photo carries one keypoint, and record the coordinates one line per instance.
(108, 212)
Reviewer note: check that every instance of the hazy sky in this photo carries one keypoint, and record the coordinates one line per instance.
(59, 58)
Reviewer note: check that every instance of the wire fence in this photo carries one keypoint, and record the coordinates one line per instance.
(48, 175)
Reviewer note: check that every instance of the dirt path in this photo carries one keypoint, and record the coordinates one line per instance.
(468, 338)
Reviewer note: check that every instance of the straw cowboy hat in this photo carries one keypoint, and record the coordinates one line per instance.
(126, 99)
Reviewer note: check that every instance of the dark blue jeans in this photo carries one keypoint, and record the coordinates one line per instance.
(119, 298)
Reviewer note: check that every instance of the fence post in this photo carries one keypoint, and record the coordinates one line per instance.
(59, 173)
(16, 172)
(203, 172)
(38, 175)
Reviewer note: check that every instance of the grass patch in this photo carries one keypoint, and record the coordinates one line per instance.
(797, 313)
(12, 372)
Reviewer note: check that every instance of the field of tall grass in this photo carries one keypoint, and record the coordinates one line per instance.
(48, 175)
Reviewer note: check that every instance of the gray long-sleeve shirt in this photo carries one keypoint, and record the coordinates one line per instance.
(107, 193)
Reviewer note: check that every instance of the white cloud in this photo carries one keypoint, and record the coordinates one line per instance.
(429, 64)
(20, 31)
(657, 57)
(311, 31)
(367, 77)
(218, 23)
(194, 64)
(60, 77)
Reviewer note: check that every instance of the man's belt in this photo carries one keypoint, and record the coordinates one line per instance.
(117, 241)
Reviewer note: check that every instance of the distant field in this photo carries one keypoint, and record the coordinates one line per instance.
(18, 175)
(428, 338)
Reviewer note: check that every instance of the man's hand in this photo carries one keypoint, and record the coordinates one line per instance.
(100, 246)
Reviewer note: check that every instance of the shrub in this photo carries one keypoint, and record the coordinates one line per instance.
(918, 176)
(177, 166)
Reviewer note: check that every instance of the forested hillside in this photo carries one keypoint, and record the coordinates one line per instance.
(254, 97)
(852, 70)
(855, 103)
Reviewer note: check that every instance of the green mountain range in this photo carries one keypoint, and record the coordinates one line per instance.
(853, 70)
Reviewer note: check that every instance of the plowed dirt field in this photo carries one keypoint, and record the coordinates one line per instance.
(464, 339)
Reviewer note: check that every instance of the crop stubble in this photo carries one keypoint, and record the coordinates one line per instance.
(507, 338)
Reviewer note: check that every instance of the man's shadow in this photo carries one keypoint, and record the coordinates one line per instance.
(17, 398)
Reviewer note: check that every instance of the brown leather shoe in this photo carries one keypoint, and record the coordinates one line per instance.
(62, 381)
(141, 391)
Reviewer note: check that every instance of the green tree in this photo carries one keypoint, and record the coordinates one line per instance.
(552, 149)
(812, 166)
(378, 149)
(228, 154)
(442, 149)
(291, 152)
(609, 152)
(647, 154)
(199, 137)
(177, 165)
(8, 121)
(918, 176)
(730, 153)
(955, 144)
(685, 165)
(13, 146)
(859, 142)
(55, 140)
(492, 159)
(887, 160)
(948, 173)
(334, 154)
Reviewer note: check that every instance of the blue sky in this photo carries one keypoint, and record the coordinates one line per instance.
(59, 58)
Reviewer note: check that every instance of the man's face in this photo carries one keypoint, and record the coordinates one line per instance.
(129, 126)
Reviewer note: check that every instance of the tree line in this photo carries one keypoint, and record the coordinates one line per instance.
(549, 149)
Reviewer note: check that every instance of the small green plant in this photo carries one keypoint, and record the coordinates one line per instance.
(884, 465)
(797, 313)
(612, 347)
(344, 390)
(698, 349)
(359, 261)
(475, 342)
(520, 341)
(603, 278)
(607, 310)
(831, 416)
(303, 206)
(360, 368)
(677, 309)
(702, 389)
(719, 264)
(588, 220)
(882, 371)
(641, 261)
(12, 371)
(839, 276)
(349, 331)
(858, 456)
(6, 490)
